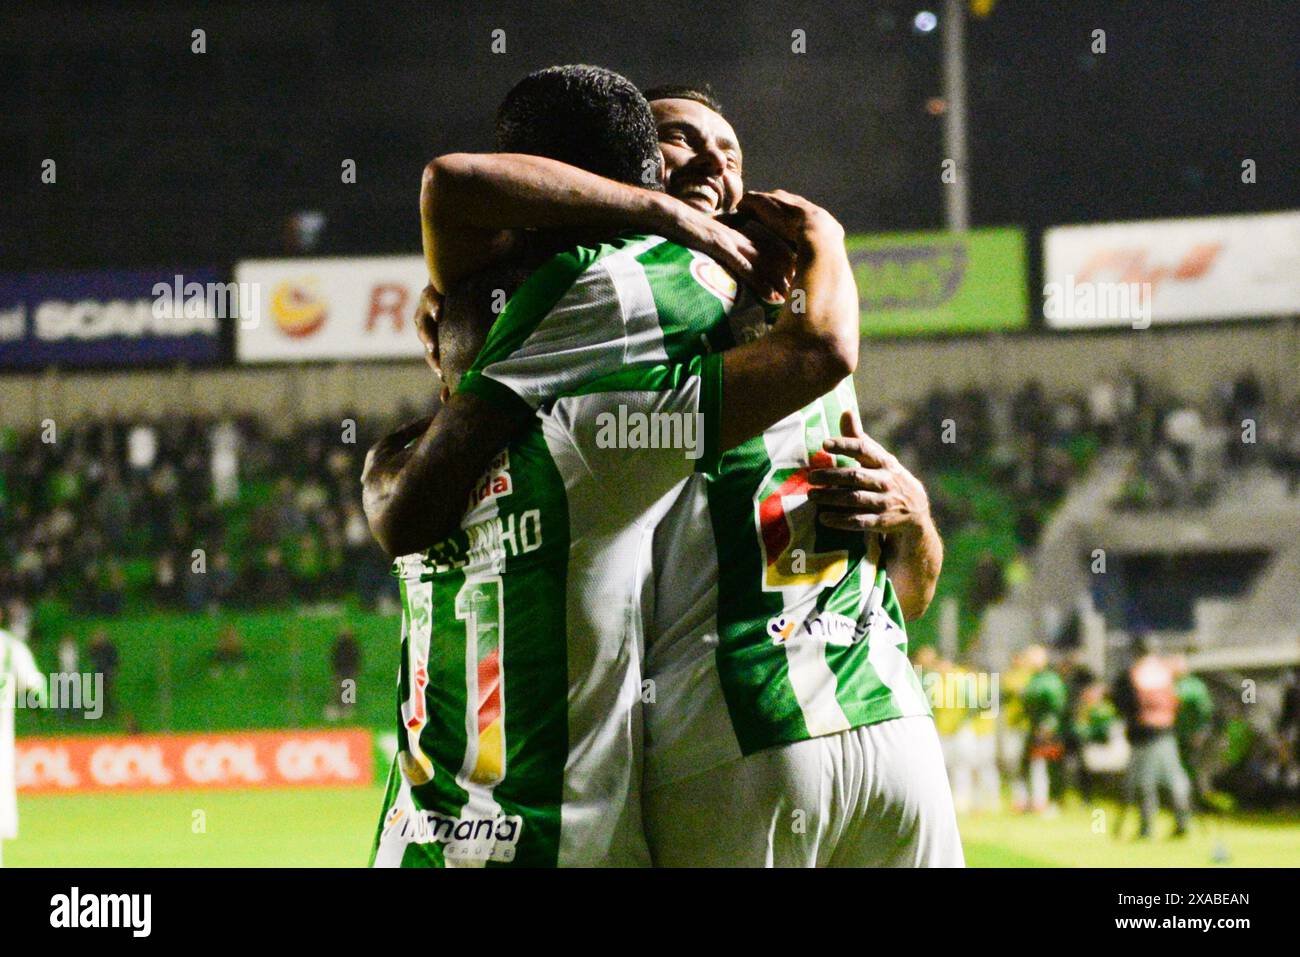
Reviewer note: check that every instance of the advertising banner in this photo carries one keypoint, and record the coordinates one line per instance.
(240, 759)
(112, 319)
(1175, 270)
(300, 310)
(940, 282)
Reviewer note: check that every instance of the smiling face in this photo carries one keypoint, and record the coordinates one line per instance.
(702, 159)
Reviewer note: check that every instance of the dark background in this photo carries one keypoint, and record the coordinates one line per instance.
(167, 157)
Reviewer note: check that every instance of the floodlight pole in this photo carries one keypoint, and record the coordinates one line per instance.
(956, 194)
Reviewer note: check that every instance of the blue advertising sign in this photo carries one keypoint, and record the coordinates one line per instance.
(112, 318)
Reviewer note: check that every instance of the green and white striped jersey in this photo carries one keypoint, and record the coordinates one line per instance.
(778, 629)
(520, 719)
(767, 628)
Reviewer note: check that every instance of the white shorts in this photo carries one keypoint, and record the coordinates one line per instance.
(875, 796)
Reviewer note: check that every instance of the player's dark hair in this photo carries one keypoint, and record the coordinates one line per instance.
(702, 94)
(585, 116)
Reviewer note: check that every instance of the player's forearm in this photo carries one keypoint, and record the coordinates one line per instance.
(419, 498)
(384, 463)
(913, 561)
(469, 202)
(812, 347)
(828, 320)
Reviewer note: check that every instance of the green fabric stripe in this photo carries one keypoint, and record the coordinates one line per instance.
(645, 377)
(493, 393)
(530, 304)
(682, 303)
(711, 405)
(752, 671)
(535, 669)
(443, 736)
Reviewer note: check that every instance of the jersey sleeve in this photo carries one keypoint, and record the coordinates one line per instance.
(584, 314)
(641, 431)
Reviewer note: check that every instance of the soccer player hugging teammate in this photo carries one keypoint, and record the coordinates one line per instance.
(526, 618)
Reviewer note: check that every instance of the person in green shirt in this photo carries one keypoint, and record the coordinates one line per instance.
(1192, 726)
(1044, 701)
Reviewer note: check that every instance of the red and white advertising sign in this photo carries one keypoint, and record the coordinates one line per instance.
(240, 759)
(301, 310)
(1216, 267)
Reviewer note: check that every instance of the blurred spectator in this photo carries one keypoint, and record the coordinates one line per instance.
(987, 583)
(104, 660)
(1192, 726)
(142, 448)
(229, 653)
(1045, 701)
(345, 660)
(69, 664)
(1146, 695)
(224, 463)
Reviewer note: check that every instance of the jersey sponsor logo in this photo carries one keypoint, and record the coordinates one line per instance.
(787, 532)
(713, 278)
(827, 626)
(466, 838)
(495, 482)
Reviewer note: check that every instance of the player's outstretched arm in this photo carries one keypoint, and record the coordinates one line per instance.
(471, 204)
(813, 345)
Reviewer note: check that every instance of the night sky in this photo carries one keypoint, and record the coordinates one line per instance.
(169, 157)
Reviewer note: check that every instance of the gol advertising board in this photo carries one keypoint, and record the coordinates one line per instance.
(1174, 270)
(940, 282)
(298, 310)
(240, 759)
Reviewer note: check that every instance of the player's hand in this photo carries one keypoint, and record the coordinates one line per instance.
(741, 255)
(793, 218)
(426, 325)
(878, 495)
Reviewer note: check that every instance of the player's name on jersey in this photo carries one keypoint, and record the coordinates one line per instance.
(488, 542)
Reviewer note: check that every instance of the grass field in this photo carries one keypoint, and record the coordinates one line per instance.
(333, 828)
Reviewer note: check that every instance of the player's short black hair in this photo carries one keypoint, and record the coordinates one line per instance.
(675, 91)
(585, 116)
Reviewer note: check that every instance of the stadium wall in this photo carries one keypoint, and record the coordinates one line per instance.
(1187, 361)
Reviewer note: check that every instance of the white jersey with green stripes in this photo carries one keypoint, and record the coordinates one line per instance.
(519, 693)
(768, 628)
(777, 629)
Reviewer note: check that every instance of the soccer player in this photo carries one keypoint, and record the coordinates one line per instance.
(521, 728)
(18, 675)
(800, 637)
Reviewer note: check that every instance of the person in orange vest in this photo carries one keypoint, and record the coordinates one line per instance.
(1146, 695)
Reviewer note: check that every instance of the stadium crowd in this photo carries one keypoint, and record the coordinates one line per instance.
(190, 512)
(198, 512)
(1034, 445)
